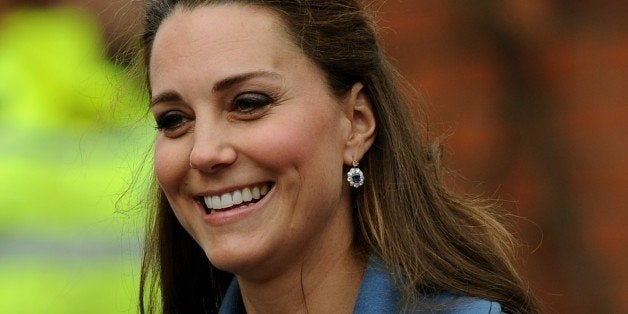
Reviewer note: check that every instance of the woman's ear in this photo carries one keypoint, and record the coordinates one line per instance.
(359, 111)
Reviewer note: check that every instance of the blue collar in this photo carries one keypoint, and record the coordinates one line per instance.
(377, 294)
(232, 303)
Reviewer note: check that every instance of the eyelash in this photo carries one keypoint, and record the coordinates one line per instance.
(245, 105)
(254, 101)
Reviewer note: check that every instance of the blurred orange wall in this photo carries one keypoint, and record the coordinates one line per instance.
(533, 96)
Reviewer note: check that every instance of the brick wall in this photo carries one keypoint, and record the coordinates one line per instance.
(533, 98)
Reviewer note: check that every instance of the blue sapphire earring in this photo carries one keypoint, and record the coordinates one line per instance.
(355, 176)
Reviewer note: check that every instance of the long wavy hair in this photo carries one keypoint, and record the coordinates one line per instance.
(431, 240)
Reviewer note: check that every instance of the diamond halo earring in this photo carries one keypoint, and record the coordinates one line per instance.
(355, 176)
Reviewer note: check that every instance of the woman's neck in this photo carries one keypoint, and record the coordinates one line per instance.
(320, 284)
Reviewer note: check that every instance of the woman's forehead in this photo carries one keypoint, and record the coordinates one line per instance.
(221, 38)
(222, 22)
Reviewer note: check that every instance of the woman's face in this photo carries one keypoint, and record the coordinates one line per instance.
(251, 141)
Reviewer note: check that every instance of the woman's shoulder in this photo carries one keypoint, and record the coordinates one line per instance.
(378, 295)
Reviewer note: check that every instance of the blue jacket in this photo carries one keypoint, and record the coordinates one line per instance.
(377, 295)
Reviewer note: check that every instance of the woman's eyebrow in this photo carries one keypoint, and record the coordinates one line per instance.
(239, 78)
(168, 96)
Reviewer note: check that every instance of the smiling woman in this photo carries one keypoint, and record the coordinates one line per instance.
(261, 107)
(242, 123)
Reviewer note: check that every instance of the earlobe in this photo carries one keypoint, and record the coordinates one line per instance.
(363, 124)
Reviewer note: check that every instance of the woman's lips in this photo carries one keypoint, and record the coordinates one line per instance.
(259, 195)
(244, 196)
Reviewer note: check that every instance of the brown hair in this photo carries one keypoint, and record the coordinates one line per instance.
(431, 240)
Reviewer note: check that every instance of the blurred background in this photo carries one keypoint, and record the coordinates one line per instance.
(529, 98)
(74, 137)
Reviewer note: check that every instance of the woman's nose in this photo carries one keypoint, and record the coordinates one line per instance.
(212, 151)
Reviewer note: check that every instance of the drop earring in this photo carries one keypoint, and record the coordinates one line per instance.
(355, 176)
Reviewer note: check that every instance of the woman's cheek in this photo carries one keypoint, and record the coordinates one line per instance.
(289, 142)
(170, 163)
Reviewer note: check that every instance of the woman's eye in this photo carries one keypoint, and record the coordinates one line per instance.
(170, 121)
(248, 103)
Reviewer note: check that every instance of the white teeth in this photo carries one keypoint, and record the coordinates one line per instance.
(237, 197)
(216, 202)
(246, 195)
(227, 200)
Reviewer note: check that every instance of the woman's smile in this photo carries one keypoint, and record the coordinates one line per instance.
(236, 198)
(220, 208)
